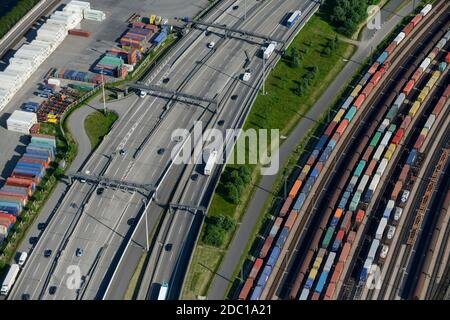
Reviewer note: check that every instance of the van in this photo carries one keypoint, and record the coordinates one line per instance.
(22, 258)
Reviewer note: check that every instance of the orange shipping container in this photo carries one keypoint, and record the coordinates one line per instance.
(337, 272)
(373, 68)
(286, 206)
(330, 291)
(376, 78)
(359, 101)
(368, 89)
(391, 47)
(246, 289)
(398, 187)
(360, 216)
(351, 237)
(409, 27)
(409, 86)
(256, 266)
(338, 213)
(294, 191)
(416, 19)
(342, 126)
(345, 252)
(291, 219)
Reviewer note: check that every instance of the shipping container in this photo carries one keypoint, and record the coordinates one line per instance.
(286, 206)
(327, 238)
(299, 202)
(359, 101)
(246, 289)
(266, 247)
(255, 269)
(291, 219)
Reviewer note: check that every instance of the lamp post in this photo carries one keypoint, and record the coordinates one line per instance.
(103, 92)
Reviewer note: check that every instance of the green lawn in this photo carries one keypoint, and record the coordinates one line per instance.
(97, 125)
(281, 108)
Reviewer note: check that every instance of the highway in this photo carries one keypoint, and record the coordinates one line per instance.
(99, 223)
(227, 67)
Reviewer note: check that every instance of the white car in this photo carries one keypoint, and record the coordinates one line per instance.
(384, 251)
(246, 76)
(391, 232)
(211, 44)
(143, 94)
(405, 196)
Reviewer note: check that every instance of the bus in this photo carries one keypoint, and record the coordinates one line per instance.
(163, 291)
(293, 18)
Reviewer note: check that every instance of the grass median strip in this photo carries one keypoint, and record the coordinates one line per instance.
(310, 64)
(97, 125)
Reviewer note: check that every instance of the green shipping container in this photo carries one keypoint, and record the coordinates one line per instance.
(360, 168)
(392, 112)
(392, 128)
(375, 139)
(355, 201)
(327, 239)
(351, 113)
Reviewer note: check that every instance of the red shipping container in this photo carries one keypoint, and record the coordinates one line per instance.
(31, 160)
(35, 179)
(447, 58)
(311, 160)
(331, 128)
(330, 292)
(446, 92)
(291, 219)
(246, 289)
(346, 223)
(16, 197)
(360, 216)
(255, 269)
(79, 32)
(371, 167)
(398, 136)
(337, 272)
(373, 68)
(406, 122)
(416, 76)
(266, 247)
(152, 27)
(359, 101)
(408, 87)
(315, 296)
(368, 89)
(345, 252)
(294, 190)
(416, 19)
(286, 206)
(409, 27)
(8, 216)
(404, 173)
(342, 126)
(368, 153)
(391, 48)
(419, 142)
(351, 237)
(397, 188)
(439, 106)
(336, 137)
(376, 78)
(20, 182)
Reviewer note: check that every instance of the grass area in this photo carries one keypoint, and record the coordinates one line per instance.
(129, 294)
(281, 108)
(97, 125)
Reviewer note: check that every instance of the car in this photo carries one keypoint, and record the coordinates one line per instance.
(234, 97)
(142, 93)
(178, 139)
(384, 251)
(79, 252)
(194, 177)
(405, 196)
(391, 232)
(122, 152)
(52, 290)
(26, 296)
(220, 122)
(169, 246)
(235, 7)
(211, 44)
(246, 76)
(161, 151)
(166, 80)
(41, 225)
(207, 33)
(47, 253)
(100, 191)
(33, 240)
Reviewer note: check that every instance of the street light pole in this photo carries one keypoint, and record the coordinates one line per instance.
(103, 90)
(264, 76)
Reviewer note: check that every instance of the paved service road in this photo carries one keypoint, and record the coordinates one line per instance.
(222, 280)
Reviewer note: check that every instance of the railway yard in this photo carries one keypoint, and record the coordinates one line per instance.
(365, 214)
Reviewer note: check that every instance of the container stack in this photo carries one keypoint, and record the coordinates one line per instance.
(26, 175)
(21, 121)
(77, 76)
(94, 15)
(109, 65)
(136, 38)
(160, 38)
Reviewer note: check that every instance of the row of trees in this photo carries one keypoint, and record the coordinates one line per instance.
(8, 20)
(346, 15)
(216, 230)
(233, 182)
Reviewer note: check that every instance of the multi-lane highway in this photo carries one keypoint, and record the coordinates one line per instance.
(99, 224)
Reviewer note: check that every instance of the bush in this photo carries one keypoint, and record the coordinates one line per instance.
(214, 235)
(245, 173)
(231, 193)
(346, 15)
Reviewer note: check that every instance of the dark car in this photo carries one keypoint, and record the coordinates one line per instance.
(169, 246)
(194, 177)
(47, 253)
(235, 7)
(166, 80)
(25, 296)
(100, 191)
(52, 290)
(33, 240)
(41, 225)
(220, 122)
(161, 151)
(234, 97)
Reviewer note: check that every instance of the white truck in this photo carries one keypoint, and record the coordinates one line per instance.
(22, 258)
(210, 162)
(163, 291)
(10, 279)
(268, 50)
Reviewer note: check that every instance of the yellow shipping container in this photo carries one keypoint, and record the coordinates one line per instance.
(415, 107)
(52, 120)
(158, 20)
(390, 151)
(356, 91)
(317, 263)
(152, 19)
(339, 115)
(424, 132)
(313, 274)
(306, 169)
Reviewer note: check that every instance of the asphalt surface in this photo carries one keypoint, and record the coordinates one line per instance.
(223, 277)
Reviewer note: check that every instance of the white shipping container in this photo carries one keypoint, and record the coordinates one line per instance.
(390, 204)
(374, 183)
(425, 63)
(380, 230)
(373, 249)
(329, 262)
(426, 9)
(430, 121)
(384, 125)
(387, 136)
(54, 81)
(379, 152)
(21, 121)
(304, 295)
(399, 38)
(83, 4)
(363, 183)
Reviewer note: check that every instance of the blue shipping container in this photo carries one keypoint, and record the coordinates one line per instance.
(321, 283)
(256, 294)
(300, 200)
(382, 58)
(411, 157)
(273, 256)
(264, 276)
(282, 238)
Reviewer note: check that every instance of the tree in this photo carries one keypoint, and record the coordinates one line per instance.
(236, 179)
(227, 223)
(246, 174)
(327, 51)
(214, 235)
(294, 58)
(231, 193)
